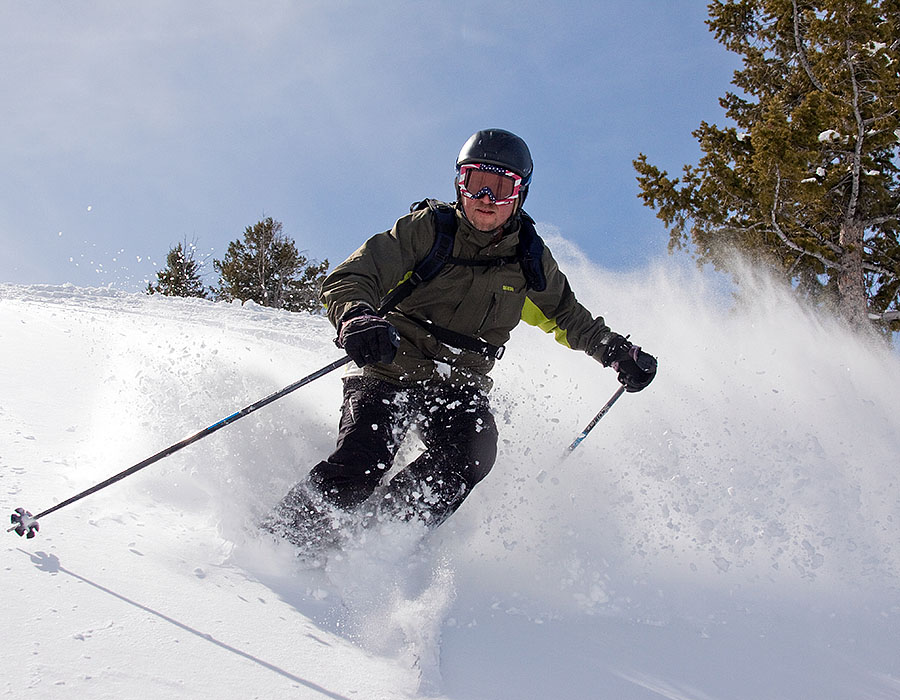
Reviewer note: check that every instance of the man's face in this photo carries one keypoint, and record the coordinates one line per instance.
(486, 216)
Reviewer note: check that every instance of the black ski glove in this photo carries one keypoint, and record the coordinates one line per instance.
(367, 338)
(636, 368)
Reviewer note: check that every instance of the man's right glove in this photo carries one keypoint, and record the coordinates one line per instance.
(367, 338)
(636, 368)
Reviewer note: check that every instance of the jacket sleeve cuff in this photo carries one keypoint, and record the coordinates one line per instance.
(607, 350)
(352, 310)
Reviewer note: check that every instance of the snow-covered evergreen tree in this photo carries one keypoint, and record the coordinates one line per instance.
(181, 275)
(266, 267)
(807, 179)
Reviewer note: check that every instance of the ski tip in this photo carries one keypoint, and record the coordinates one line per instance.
(24, 523)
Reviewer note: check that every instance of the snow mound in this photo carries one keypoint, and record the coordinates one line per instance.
(728, 533)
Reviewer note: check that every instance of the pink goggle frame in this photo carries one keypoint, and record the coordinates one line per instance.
(479, 179)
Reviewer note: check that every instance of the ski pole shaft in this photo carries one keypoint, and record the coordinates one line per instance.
(29, 523)
(596, 419)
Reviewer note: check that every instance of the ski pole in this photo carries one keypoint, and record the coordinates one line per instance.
(24, 523)
(596, 419)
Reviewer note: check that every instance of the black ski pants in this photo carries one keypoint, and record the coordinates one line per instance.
(454, 423)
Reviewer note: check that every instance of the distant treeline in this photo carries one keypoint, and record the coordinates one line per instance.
(264, 266)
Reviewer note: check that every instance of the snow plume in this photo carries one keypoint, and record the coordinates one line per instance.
(761, 463)
(754, 482)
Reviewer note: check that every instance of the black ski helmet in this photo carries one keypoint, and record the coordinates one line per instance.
(499, 147)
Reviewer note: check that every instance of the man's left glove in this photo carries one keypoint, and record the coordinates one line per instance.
(636, 368)
(367, 338)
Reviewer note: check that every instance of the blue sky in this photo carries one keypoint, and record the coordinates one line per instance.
(126, 127)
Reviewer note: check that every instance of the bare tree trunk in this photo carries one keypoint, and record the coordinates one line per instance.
(850, 281)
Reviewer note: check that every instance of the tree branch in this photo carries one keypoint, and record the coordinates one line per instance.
(801, 54)
(836, 249)
(878, 220)
(784, 237)
(878, 269)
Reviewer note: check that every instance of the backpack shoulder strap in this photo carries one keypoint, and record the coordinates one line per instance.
(429, 266)
(530, 252)
(444, 236)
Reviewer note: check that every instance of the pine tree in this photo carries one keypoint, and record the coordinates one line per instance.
(181, 275)
(807, 181)
(266, 267)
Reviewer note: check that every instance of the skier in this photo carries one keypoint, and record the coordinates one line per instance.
(424, 364)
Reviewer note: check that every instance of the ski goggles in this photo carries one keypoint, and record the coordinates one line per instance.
(479, 179)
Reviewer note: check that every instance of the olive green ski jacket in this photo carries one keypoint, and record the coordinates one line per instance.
(486, 302)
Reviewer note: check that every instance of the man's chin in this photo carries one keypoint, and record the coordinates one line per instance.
(486, 220)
